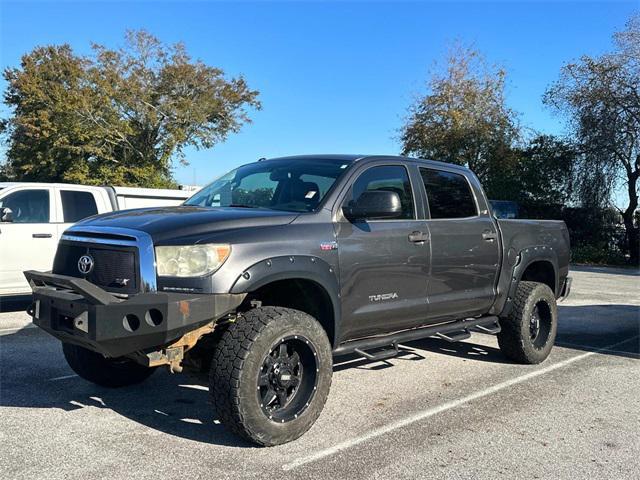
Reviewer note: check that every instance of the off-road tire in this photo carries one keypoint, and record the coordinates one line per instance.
(238, 361)
(515, 339)
(106, 372)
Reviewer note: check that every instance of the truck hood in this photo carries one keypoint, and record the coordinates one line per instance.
(165, 223)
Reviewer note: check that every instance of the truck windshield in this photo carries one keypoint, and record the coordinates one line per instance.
(295, 185)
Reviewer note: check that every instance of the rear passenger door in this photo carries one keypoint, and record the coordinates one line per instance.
(465, 250)
(78, 203)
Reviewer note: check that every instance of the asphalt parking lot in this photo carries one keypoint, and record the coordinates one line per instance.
(439, 410)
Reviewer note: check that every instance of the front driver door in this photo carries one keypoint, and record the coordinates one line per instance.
(383, 263)
(29, 241)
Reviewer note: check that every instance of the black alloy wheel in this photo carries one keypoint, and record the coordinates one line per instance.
(529, 329)
(540, 324)
(271, 374)
(288, 379)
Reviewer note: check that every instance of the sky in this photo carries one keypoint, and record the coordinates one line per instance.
(334, 77)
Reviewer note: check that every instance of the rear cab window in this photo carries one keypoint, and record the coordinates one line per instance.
(77, 205)
(449, 194)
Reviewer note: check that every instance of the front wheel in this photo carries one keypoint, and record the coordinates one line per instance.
(106, 372)
(271, 374)
(529, 331)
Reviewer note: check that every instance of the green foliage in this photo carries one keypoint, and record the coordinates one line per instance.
(544, 173)
(463, 119)
(118, 116)
(598, 254)
(600, 97)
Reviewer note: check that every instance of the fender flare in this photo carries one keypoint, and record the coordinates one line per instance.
(291, 267)
(526, 257)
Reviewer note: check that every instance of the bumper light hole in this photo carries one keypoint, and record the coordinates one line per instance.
(153, 317)
(131, 322)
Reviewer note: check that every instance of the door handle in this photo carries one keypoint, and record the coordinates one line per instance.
(418, 237)
(42, 235)
(489, 236)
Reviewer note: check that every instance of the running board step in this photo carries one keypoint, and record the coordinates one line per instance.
(381, 355)
(456, 337)
(489, 329)
(455, 331)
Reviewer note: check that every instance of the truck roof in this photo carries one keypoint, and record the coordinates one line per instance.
(43, 184)
(349, 158)
(39, 184)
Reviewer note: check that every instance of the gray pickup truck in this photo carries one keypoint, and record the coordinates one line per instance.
(264, 276)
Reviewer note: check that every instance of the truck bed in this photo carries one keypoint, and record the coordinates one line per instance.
(542, 240)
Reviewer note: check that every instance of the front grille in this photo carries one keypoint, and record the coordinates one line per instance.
(114, 268)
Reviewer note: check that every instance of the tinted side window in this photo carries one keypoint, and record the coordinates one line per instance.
(389, 178)
(449, 194)
(77, 205)
(28, 206)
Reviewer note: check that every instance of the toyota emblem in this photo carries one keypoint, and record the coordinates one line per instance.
(85, 264)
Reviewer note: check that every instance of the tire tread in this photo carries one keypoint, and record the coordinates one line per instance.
(511, 337)
(228, 362)
(97, 369)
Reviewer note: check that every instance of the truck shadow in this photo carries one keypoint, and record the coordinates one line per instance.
(585, 328)
(606, 329)
(17, 303)
(179, 404)
(173, 404)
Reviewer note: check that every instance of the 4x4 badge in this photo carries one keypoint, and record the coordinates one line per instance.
(328, 246)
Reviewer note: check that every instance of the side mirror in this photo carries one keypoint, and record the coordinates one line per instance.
(375, 204)
(6, 214)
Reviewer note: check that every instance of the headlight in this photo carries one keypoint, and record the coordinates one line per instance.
(190, 260)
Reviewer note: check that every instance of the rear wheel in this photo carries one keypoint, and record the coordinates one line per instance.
(271, 374)
(529, 331)
(106, 372)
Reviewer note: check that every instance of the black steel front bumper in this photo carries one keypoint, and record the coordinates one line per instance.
(76, 311)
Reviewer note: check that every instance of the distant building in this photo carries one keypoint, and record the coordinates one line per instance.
(190, 188)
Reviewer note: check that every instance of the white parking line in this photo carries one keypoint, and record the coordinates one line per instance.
(196, 387)
(320, 454)
(64, 377)
(601, 350)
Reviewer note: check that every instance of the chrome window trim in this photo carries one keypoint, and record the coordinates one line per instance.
(142, 240)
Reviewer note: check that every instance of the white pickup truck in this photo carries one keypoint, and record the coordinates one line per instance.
(34, 215)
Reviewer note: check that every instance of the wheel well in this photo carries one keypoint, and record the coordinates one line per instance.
(542, 272)
(302, 294)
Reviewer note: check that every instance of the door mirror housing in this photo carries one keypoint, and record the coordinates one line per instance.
(6, 215)
(374, 205)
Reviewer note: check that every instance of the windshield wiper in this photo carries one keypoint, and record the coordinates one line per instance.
(242, 205)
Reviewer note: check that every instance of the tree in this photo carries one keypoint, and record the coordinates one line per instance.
(120, 116)
(545, 171)
(463, 118)
(600, 97)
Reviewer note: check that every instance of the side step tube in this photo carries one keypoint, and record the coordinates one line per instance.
(456, 337)
(382, 355)
(492, 330)
(452, 331)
